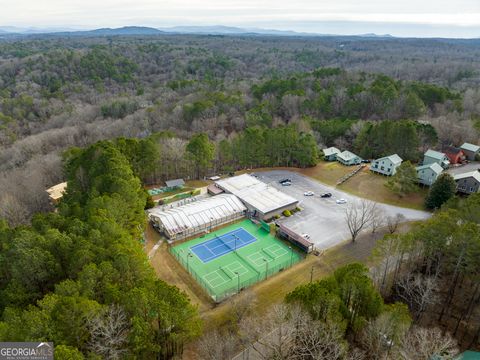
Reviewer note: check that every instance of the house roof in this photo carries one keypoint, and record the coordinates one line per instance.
(57, 191)
(452, 150)
(435, 154)
(470, 147)
(176, 182)
(395, 159)
(475, 174)
(331, 151)
(434, 167)
(256, 193)
(347, 155)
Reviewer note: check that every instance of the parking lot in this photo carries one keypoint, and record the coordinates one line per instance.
(322, 218)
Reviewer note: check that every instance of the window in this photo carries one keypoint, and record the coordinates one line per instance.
(382, 168)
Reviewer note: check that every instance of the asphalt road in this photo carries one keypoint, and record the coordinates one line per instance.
(322, 218)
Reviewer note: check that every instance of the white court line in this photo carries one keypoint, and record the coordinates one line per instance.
(261, 257)
(277, 247)
(245, 270)
(218, 276)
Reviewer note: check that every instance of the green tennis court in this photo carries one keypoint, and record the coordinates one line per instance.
(227, 274)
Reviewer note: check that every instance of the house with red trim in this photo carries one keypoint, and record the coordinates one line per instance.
(455, 155)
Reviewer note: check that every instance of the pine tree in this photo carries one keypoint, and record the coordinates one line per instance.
(441, 190)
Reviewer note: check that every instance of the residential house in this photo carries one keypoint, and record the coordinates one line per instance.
(470, 150)
(330, 154)
(468, 183)
(454, 154)
(386, 165)
(348, 158)
(428, 174)
(432, 156)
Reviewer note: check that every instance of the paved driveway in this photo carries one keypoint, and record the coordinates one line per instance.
(471, 166)
(323, 219)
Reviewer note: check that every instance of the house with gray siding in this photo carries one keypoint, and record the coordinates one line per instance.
(348, 158)
(428, 174)
(386, 165)
(330, 154)
(432, 156)
(468, 183)
(470, 150)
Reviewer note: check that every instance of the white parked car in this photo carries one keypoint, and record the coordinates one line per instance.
(286, 183)
(341, 201)
(308, 193)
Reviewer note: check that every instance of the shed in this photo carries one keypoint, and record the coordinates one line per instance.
(470, 150)
(468, 183)
(386, 165)
(330, 154)
(428, 174)
(432, 156)
(55, 193)
(455, 155)
(213, 189)
(175, 183)
(348, 158)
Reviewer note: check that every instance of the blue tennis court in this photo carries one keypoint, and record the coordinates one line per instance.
(223, 244)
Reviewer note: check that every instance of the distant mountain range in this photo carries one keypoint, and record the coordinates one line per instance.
(143, 30)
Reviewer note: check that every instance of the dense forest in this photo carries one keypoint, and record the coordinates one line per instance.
(80, 277)
(57, 92)
(110, 114)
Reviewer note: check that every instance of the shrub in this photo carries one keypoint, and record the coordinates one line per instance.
(287, 213)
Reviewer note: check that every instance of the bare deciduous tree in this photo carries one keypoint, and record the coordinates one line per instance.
(394, 221)
(417, 291)
(109, 333)
(217, 346)
(428, 343)
(358, 215)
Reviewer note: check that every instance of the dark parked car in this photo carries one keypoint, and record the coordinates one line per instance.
(366, 161)
(326, 195)
(284, 181)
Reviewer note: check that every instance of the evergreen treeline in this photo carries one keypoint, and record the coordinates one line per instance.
(80, 278)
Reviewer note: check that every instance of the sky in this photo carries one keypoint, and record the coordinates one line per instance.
(420, 18)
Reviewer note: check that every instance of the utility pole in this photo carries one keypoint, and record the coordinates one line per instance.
(311, 275)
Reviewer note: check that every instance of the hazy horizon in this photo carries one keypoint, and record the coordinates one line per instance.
(428, 18)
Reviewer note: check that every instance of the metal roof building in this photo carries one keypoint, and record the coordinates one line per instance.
(261, 199)
(198, 216)
(175, 183)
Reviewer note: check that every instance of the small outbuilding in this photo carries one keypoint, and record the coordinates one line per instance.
(55, 193)
(468, 183)
(455, 155)
(177, 183)
(428, 174)
(386, 165)
(330, 154)
(348, 158)
(471, 151)
(432, 156)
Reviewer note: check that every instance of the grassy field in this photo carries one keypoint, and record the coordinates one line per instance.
(224, 275)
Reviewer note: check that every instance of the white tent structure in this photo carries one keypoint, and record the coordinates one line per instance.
(196, 217)
(261, 199)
